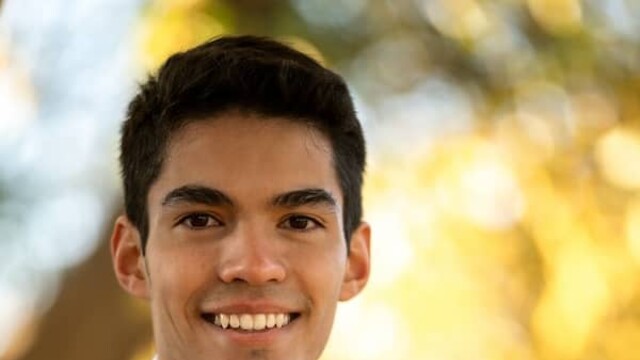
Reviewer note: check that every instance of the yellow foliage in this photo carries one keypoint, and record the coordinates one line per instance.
(165, 32)
(559, 17)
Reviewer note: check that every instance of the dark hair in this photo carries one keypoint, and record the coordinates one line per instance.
(245, 73)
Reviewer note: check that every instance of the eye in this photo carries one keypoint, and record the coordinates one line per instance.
(200, 221)
(300, 223)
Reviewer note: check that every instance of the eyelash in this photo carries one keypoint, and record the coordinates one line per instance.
(185, 221)
(315, 223)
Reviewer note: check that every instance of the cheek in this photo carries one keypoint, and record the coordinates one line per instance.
(179, 272)
(322, 274)
(322, 271)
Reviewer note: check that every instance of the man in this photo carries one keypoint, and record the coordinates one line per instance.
(242, 163)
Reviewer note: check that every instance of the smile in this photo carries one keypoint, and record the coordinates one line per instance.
(250, 322)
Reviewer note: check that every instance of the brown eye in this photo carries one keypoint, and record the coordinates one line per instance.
(299, 222)
(200, 221)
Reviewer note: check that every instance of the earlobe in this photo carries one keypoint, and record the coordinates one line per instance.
(127, 258)
(358, 263)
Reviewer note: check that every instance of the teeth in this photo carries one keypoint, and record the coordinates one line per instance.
(224, 320)
(259, 321)
(282, 320)
(251, 322)
(234, 321)
(246, 322)
(271, 320)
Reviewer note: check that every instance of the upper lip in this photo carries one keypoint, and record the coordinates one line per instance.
(252, 307)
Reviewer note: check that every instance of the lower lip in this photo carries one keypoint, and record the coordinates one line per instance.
(253, 338)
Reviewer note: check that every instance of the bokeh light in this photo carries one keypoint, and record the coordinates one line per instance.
(502, 184)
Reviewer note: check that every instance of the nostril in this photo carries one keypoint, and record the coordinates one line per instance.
(252, 271)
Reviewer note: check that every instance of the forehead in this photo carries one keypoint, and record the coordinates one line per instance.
(242, 154)
(233, 128)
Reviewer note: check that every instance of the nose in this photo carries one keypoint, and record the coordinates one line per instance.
(251, 257)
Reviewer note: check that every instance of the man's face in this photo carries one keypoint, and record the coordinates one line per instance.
(246, 257)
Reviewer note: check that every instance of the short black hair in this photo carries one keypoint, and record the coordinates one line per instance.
(247, 73)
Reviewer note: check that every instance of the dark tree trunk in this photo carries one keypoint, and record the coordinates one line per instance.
(92, 318)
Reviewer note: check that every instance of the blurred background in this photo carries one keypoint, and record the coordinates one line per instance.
(503, 182)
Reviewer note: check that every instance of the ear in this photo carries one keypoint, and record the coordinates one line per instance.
(128, 260)
(358, 263)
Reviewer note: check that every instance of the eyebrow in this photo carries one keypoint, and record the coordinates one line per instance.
(196, 194)
(297, 198)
